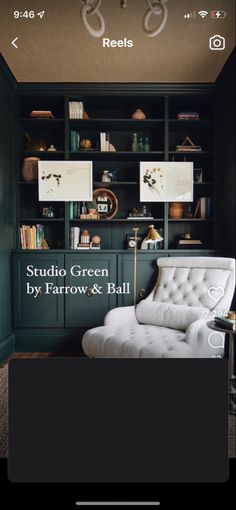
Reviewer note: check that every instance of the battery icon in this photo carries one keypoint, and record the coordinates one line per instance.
(218, 14)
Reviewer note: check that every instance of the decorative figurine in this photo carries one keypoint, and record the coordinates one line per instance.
(51, 149)
(106, 176)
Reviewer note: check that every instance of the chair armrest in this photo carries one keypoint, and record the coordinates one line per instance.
(201, 338)
(121, 316)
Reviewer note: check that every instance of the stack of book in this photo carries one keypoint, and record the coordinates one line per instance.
(76, 110)
(225, 323)
(189, 243)
(32, 237)
(41, 114)
(139, 216)
(203, 208)
(188, 116)
(104, 142)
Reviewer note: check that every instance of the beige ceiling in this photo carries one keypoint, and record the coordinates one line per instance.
(59, 48)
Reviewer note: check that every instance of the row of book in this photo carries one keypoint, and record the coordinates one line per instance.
(32, 237)
(225, 323)
(76, 110)
(75, 210)
(104, 142)
(203, 208)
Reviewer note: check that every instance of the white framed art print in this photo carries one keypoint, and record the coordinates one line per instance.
(64, 181)
(162, 181)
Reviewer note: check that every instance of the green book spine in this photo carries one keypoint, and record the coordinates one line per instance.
(71, 205)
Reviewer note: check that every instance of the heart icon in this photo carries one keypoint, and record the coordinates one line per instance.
(216, 293)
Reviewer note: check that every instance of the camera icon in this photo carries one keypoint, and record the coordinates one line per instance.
(217, 43)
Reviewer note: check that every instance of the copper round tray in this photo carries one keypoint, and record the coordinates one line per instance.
(113, 208)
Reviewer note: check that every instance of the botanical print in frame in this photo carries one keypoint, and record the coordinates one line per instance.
(63, 181)
(162, 181)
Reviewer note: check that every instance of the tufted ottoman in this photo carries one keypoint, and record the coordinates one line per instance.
(172, 321)
(136, 341)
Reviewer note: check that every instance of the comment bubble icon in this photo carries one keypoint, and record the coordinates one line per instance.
(216, 340)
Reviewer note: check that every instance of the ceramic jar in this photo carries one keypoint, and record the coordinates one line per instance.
(176, 210)
(85, 237)
(139, 115)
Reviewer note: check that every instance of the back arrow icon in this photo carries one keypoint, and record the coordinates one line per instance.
(13, 42)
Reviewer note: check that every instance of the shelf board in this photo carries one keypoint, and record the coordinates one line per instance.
(40, 153)
(28, 120)
(193, 153)
(97, 184)
(190, 220)
(42, 220)
(118, 155)
(171, 250)
(116, 184)
(131, 122)
(204, 183)
(118, 220)
(191, 121)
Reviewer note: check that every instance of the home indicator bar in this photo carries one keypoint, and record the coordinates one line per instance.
(117, 503)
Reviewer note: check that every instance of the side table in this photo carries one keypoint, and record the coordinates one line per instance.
(230, 354)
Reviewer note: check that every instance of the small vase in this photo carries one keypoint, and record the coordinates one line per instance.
(146, 147)
(135, 145)
(138, 115)
(140, 145)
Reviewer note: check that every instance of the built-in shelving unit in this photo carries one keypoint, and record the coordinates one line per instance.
(111, 112)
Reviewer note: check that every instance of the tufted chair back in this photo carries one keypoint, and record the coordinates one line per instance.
(195, 281)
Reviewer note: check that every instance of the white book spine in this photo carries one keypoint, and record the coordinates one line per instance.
(76, 237)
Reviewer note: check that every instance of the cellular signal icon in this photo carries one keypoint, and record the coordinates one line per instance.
(190, 15)
(203, 14)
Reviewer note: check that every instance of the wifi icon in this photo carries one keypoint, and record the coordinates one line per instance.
(203, 14)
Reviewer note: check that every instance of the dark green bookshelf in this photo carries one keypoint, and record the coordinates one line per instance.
(109, 110)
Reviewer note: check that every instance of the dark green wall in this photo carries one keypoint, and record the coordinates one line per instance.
(226, 162)
(6, 207)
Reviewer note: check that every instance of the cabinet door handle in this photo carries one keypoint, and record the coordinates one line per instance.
(142, 293)
(89, 292)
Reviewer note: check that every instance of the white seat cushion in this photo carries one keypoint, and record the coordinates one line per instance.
(136, 341)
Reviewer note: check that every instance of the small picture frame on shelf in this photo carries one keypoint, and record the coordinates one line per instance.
(198, 175)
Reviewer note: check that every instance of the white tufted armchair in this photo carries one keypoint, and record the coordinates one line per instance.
(172, 321)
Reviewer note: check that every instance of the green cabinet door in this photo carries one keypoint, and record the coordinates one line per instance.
(88, 276)
(146, 275)
(46, 310)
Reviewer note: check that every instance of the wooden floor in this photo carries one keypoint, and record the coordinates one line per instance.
(46, 355)
(30, 355)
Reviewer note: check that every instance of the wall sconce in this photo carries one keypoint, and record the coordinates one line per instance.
(155, 8)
